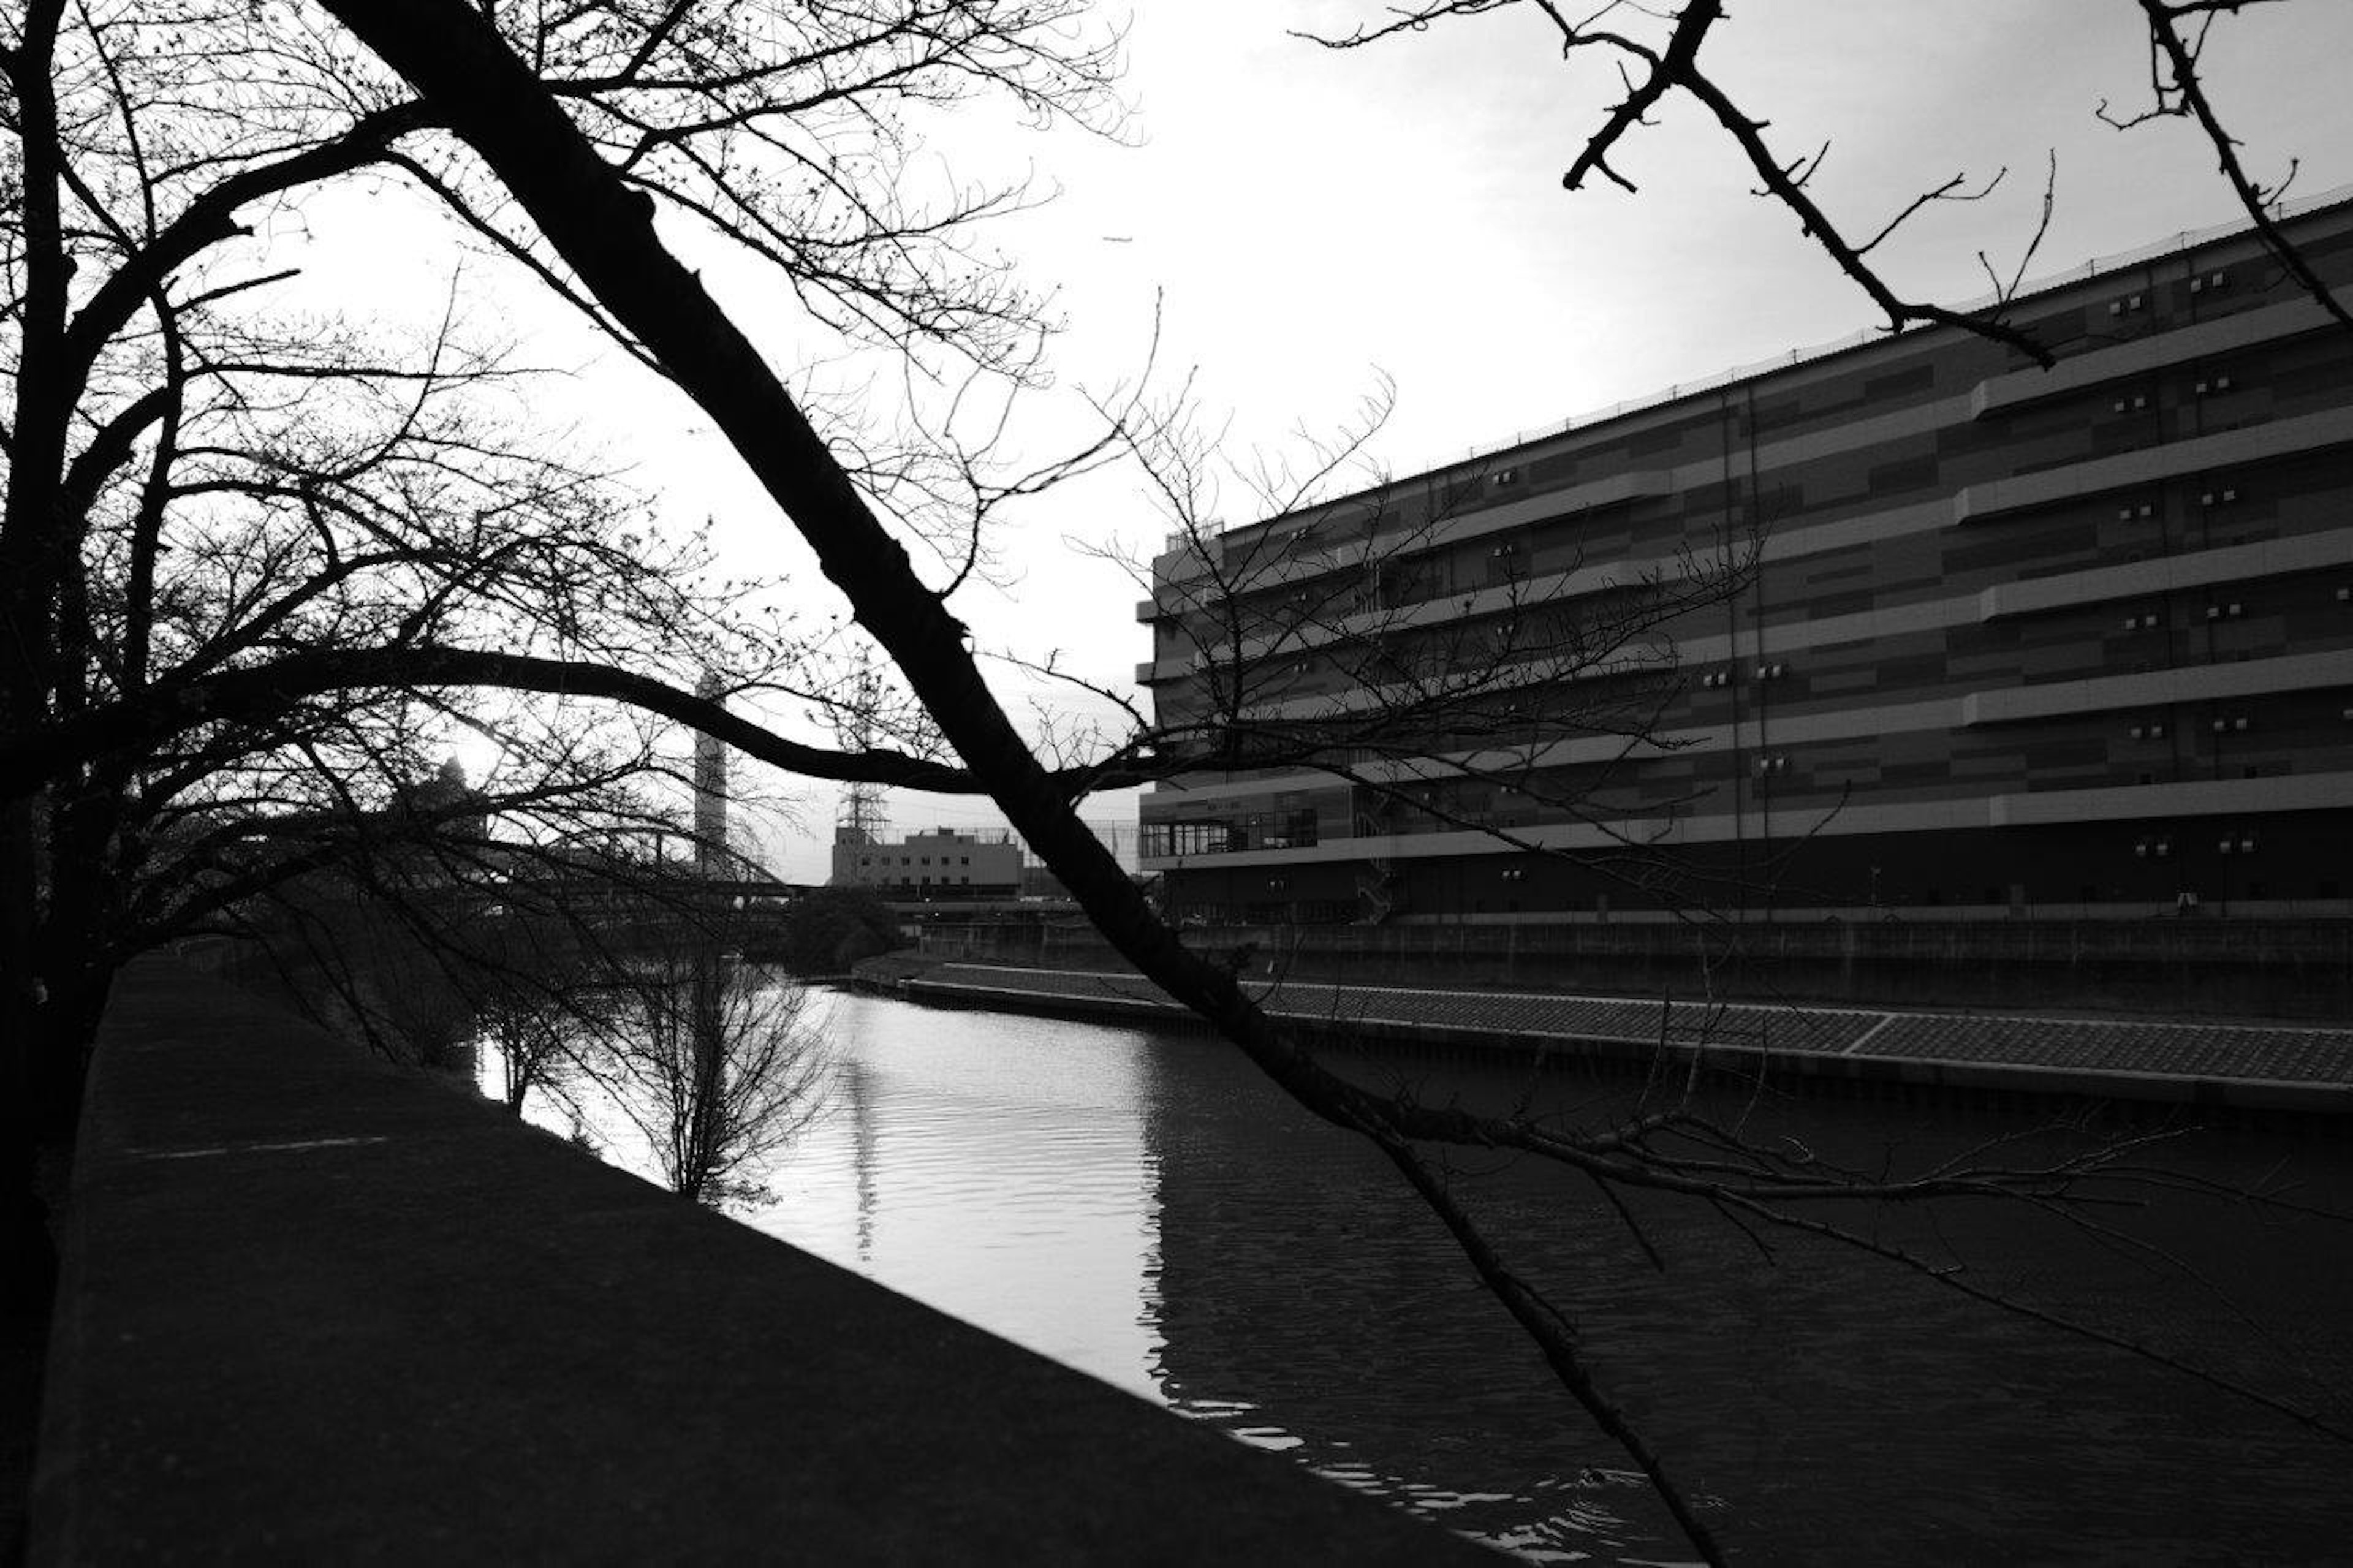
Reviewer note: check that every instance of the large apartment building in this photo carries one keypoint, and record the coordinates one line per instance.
(1911, 625)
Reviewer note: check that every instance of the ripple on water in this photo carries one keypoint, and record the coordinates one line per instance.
(1146, 1209)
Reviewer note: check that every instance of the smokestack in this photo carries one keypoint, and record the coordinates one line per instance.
(709, 790)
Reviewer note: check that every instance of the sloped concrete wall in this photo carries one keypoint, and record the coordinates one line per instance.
(316, 1309)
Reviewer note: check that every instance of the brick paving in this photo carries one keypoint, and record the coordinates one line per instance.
(2126, 1048)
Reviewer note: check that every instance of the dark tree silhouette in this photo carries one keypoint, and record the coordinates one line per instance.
(558, 139)
(251, 566)
(712, 1061)
(586, 213)
(1657, 54)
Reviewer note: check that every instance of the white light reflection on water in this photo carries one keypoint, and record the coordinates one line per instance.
(1146, 1208)
(1010, 1171)
(965, 1174)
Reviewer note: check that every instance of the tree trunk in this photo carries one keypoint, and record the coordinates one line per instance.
(29, 1263)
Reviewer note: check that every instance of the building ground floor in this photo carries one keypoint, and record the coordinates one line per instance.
(2281, 864)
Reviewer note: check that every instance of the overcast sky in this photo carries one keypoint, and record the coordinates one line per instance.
(1312, 220)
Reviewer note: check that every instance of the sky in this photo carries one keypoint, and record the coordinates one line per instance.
(1303, 224)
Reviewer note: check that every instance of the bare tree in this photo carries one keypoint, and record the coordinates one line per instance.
(2177, 40)
(1656, 51)
(535, 1042)
(714, 1064)
(586, 212)
(558, 139)
(250, 565)
(1332, 638)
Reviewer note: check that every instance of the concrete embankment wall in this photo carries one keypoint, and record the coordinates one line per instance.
(2238, 1073)
(2203, 967)
(317, 1308)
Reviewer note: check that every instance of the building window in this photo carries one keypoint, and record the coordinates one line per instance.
(1257, 830)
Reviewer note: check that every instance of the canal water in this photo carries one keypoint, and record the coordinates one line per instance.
(1140, 1204)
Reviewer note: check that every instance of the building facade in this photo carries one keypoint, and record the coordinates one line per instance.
(1914, 627)
(940, 864)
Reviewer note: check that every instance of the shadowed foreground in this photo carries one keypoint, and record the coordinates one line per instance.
(315, 1308)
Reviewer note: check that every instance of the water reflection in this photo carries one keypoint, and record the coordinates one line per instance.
(976, 1157)
(1146, 1208)
(690, 1070)
(1308, 1303)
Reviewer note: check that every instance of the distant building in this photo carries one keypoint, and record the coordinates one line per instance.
(2076, 641)
(941, 864)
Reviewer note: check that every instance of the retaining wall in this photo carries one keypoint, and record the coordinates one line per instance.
(2168, 967)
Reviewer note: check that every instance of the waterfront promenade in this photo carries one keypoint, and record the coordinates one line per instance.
(2241, 1066)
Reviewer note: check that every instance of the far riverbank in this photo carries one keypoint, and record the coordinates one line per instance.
(2233, 1069)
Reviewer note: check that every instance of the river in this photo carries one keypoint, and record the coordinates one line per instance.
(1138, 1204)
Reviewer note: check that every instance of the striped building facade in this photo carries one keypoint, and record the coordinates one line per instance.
(1916, 625)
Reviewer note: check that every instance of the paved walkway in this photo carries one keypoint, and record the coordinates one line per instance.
(2255, 1065)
